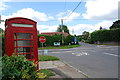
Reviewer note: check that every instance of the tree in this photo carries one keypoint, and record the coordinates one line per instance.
(85, 35)
(64, 27)
(115, 24)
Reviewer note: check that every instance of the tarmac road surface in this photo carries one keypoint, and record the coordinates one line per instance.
(95, 61)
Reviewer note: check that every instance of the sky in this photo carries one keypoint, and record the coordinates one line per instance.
(89, 15)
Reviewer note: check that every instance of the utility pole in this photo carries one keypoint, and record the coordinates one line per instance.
(73, 31)
(62, 31)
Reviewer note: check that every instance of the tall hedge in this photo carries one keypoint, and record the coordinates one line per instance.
(55, 38)
(50, 39)
(106, 35)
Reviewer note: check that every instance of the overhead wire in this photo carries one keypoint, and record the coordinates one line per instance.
(73, 10)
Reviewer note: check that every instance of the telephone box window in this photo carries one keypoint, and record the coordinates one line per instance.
(24, 43)
(22, 25)
(22, 36)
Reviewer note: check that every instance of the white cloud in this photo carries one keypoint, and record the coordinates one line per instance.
(30, 13)
(80, 28)
(101, 9)
(64, 15)
(3, 6)
(46, 28)
(104, 24)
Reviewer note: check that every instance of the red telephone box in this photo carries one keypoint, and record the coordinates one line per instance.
(21, 37)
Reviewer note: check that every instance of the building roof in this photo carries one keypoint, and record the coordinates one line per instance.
(53, 33)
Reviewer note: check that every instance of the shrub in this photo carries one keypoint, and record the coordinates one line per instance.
(106, 35)
(18, 67)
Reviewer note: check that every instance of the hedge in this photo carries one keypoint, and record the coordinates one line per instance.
(50, 40)
(55, 38)
(106, 35)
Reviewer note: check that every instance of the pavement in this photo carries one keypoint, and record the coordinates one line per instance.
(61, 69)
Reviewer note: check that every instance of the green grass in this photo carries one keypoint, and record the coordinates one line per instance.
(47, 72)
(60, 47)
(47, 58)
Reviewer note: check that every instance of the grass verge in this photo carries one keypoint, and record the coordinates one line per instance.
(60, 47)
(47, 58)
(47, 72)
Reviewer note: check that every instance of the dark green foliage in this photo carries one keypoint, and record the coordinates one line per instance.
(56, 38)
(18, 67)
(50, 40)
(79, 38)
(69, 39)
(106, 35)
(2, 42)
(64, 27)
(116, 24)
(85, 35)
(115, 35)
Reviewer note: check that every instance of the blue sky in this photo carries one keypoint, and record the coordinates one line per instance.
(89, 16)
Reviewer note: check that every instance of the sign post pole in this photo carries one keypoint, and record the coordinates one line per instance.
(42, 49)
(42, 39)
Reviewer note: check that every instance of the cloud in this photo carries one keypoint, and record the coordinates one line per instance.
(3, 6)
(47, 28)
(101, 9)
(64, 15)
(80, 28)
(31, 14)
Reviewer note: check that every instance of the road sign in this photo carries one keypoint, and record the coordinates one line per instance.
(42, 39)
(75, 39)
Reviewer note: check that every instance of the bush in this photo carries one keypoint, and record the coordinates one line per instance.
(18, 67)
(106, 35)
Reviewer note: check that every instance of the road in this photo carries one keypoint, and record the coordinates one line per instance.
(95, 61)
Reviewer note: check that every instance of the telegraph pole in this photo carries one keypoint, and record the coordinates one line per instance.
(62, 31)
(73, 31)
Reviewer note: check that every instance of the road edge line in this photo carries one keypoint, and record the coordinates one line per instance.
(76, 69)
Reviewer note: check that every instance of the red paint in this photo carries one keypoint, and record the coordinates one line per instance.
(42, 39)
(21, 39)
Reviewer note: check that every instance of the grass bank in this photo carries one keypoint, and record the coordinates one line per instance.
(47, 58)
(60, 47)
(47, 72)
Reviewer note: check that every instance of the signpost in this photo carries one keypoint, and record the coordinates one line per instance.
(75, 40)
(42, 39)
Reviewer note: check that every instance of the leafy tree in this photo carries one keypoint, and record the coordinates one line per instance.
(69, 39)
(115, 24)
(64, 27)
(85, 35)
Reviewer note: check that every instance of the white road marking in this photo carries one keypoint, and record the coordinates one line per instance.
(80, 54)
(111, 54)
(73, 53)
